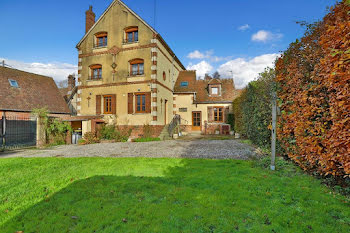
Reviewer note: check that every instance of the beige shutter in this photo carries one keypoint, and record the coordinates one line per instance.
(210, 114)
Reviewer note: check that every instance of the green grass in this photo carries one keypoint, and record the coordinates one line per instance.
(163, 195)
(146, 139)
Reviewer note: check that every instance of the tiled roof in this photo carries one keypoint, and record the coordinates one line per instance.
(34, 91)
(201, 87)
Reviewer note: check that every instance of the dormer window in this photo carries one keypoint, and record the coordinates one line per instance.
(96, 72)
(136, 67)
(13, 83)
(101, 39)
(184, 84)
(131, 35)
(215, 90)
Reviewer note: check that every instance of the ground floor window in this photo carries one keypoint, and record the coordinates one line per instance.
(140, 103)
(107, 104)
(218, 114)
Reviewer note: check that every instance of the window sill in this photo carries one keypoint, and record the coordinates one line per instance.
(102, 48)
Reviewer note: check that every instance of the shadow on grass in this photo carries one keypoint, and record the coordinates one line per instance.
(200, 196)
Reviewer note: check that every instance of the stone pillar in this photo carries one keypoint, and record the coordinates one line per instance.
(40, 132)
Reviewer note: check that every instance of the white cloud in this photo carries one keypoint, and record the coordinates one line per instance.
(202, 68)
(58, 71)
(199, 55)
(244, 27)
(207, 55)
(245, 70)
(264, 36)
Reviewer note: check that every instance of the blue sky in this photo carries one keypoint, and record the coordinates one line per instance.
(224, 35)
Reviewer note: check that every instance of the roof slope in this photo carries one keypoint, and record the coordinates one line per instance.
(200, 87)
(35, 91)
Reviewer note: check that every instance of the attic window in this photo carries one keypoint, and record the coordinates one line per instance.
(184, 84)
(215, 90)
(13, 83)
(131, 34)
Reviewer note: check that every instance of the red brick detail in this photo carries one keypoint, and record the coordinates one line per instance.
(174, 105)
(137, 131)
(90, 19)
(154, 63)
(79, 63)
(154, 71)
(154, 99)
(79, 71)
(154, 54)
(154, 90)
(116, 50)
(155, 118)
(174, 98)
(78, 95)
(79, 79)
(154, 108)
(78, 103)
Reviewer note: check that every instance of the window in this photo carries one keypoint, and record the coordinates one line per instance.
(182, 109)
(214, 90)
(136, 67)
(140, 103)
(96, 72)
(13, 83)
(132, 35)
(164, 76)
(218, 114)
(184, 84)
(101, 39)
(107, 109)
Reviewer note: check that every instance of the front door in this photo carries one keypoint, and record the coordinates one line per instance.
(196, 121)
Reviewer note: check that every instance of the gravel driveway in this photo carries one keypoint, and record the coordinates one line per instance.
(215, 149)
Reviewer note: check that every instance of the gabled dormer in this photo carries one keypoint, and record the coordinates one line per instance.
(214, 87)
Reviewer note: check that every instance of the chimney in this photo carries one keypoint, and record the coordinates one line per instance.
(90, 19)
(71, 82)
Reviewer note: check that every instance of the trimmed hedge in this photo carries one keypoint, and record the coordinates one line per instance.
(314, 92)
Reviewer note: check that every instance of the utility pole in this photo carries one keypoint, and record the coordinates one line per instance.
(273, 132)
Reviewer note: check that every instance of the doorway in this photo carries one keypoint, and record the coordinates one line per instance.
(196, 121)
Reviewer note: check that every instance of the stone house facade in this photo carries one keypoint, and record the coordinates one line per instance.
(126, 71)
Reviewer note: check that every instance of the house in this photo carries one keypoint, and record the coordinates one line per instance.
(126, 71)
(204, 105)
(21, 92)
(129, 76)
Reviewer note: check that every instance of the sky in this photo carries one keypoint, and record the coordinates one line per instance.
(238, 38)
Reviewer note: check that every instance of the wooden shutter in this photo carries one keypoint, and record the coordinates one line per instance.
(114, 104)
(148, 102)
(210, 114)
(226, 112)
(130, 103)
(98, 105)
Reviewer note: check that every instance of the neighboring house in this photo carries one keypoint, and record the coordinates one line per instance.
(21, 92)
(204, 105)
(127, 72)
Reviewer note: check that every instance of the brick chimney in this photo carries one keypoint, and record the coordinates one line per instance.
(90, 19)
(71, 82)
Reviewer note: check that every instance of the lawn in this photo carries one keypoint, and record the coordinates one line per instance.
(163, 195)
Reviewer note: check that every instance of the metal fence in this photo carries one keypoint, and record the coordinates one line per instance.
(17, 132)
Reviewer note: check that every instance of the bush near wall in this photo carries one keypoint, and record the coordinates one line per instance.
(252, 109)
(314, 92)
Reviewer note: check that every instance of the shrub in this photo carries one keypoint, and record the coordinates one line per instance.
(111, 132)
(314, 92)
(147, 131)
(90, 138)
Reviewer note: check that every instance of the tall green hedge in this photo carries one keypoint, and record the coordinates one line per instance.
(253, 109)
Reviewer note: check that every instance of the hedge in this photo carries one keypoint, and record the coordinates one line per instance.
(314, 92)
